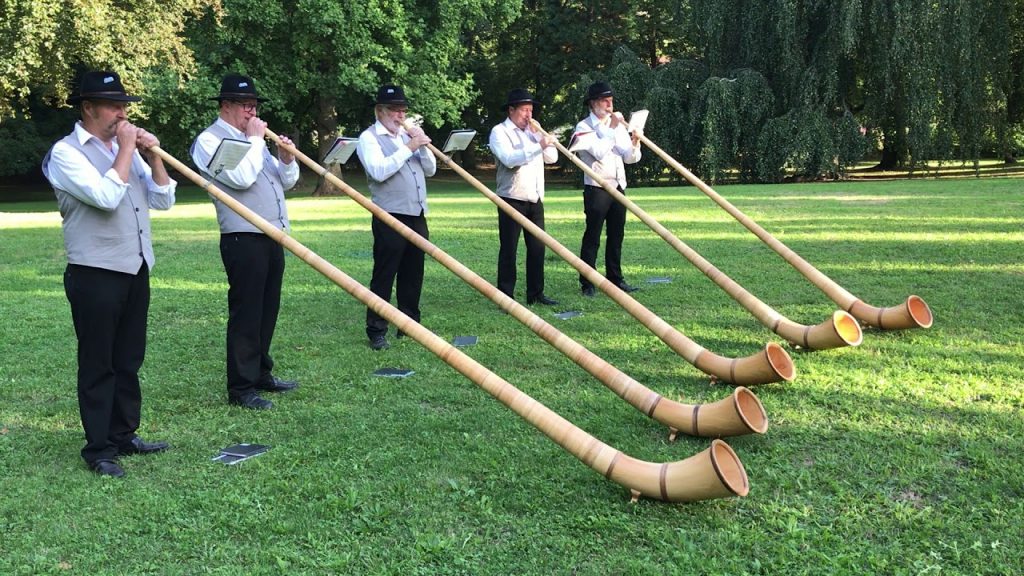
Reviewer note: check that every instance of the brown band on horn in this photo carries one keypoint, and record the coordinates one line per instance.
(775, 325)
(878, 321)
(732, 370)
(661, 481)
(807, 330)
(696, 409)
(611, 465)
(588, 453)
(657, 399)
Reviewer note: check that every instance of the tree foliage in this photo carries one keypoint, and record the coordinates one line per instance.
(756, 90)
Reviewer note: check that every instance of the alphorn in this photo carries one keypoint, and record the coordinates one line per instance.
(771, 365)
(740, 413)
(841, 329)
(714, 473)
(914, 313)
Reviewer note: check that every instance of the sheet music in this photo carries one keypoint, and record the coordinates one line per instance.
(638, 119)
(581, 140)
(458, 140)
(229, 153)
(341, 151)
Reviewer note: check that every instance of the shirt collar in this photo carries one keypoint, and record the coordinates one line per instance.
(84, 135)
(231, 129)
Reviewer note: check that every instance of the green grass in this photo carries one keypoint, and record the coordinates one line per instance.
(901, 456)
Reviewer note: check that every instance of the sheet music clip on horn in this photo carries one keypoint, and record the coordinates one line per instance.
(458, 140)
(229, 153)
(341, 151)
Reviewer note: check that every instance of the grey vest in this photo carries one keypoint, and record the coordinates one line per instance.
(265, 197)
(405, 191)
(510, 180)
(118, 240)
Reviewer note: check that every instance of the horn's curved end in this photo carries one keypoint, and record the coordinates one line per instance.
(780, 362)
(914, 313)
(750, 409)
(714, 473)
(738, 414)
(838, 331)
(841, 330)
(919, 312)
(773, 364)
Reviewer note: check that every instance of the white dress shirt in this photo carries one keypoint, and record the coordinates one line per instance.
(381, 167)
(244, 175)
(521, 152)
(72, 172)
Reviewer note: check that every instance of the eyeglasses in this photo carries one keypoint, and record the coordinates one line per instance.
(247, 106)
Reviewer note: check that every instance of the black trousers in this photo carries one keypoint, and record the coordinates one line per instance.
(394, 257)
(109, 310)
(508, 235)
(603, 211)
(255, 268)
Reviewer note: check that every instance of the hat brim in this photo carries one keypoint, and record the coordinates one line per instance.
(115, 97)
(523, 101)
(391, 103)
(588, 98)
(238, 96)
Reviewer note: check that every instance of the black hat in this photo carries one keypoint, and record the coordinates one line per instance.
(238, 87)
(598, 90)
(520, 96)
(391, 94)
(101, 85)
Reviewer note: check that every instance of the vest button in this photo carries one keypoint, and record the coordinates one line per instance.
(140, 253)
(140, 231)
(136, 209)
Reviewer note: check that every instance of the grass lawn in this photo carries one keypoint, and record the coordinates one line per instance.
(900, 456)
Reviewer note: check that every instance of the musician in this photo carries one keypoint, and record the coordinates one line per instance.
(396, 162)
(606, 151)
(253, 261)
(105, 190)
(521, 153)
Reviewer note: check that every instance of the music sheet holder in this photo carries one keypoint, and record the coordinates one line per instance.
(458, 140)
(229, 153)
(341, 151)
(638, 119)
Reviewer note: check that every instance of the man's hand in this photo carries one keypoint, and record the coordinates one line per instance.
(144, 141)
(282, 154)
(127, 135)
(255, 127)
(417, 138)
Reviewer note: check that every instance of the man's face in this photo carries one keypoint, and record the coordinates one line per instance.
(392, 116)
(521, 114)
(238, 112)
(602, 106)
(101, 117)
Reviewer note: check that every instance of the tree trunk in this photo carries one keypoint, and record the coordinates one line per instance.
(326, 129)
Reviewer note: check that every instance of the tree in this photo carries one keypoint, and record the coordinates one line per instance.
(320, 61)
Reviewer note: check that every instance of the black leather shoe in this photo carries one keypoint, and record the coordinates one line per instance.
(542, 299)
(140, 446)
(626, 287)
(107, 468)
(588, 291)
(379, 342)
(252, 401)
(275, 384)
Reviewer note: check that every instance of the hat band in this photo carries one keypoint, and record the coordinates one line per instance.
(101, 94)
